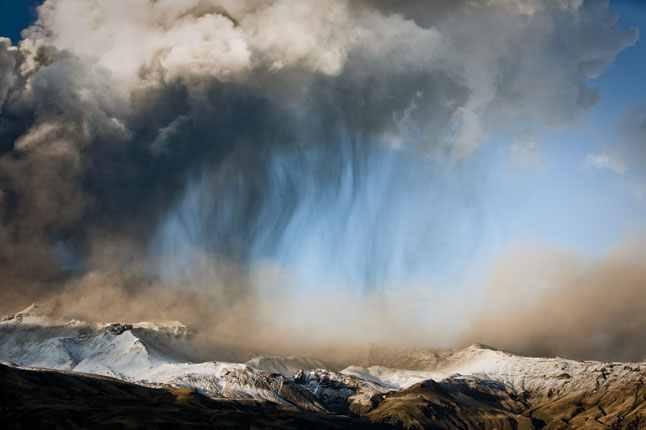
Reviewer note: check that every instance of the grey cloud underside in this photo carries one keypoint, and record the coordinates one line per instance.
(90, 158)
(633, 143)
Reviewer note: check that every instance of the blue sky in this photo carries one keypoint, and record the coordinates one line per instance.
(564, 202)
(15, 15)
(579, 207)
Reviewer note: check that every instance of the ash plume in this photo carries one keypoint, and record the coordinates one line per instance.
(165, 149)
(546, 302)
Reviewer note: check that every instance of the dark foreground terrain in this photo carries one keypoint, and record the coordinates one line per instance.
(38, 398)
(46, 399)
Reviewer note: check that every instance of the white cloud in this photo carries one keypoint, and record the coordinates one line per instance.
(605, 162)
(199, 37)
(525, 151)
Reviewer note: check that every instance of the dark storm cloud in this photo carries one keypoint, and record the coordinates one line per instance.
(7, 64)
(110, 122)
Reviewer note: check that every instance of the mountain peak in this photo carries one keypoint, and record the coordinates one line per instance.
(31, 310)
(481, 346)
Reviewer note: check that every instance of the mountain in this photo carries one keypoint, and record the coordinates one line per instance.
(475, 387)
(53, 399)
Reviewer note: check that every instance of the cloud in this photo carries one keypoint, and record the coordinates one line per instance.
(136, 134)
(605, 162)
(530, 7)
(193, 38)
(524, 151)
(546, 301)
(633, 139)
(7, 64)
(532, 70)
(627, 154)
(534, 66)
(633, 150)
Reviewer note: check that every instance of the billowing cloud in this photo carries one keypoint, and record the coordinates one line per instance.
(169, 139)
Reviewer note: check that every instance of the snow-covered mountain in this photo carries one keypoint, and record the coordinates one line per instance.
(154, 354)
(377, 379)
(544, 376)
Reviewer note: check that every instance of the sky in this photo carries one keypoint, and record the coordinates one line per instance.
(597, 200)
(605, 201)
(367, 152)
(15, 16)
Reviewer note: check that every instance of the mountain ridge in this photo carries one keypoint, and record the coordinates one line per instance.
(432, 387)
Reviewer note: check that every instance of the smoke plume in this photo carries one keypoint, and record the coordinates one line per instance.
(545, 301)
(158, 153)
